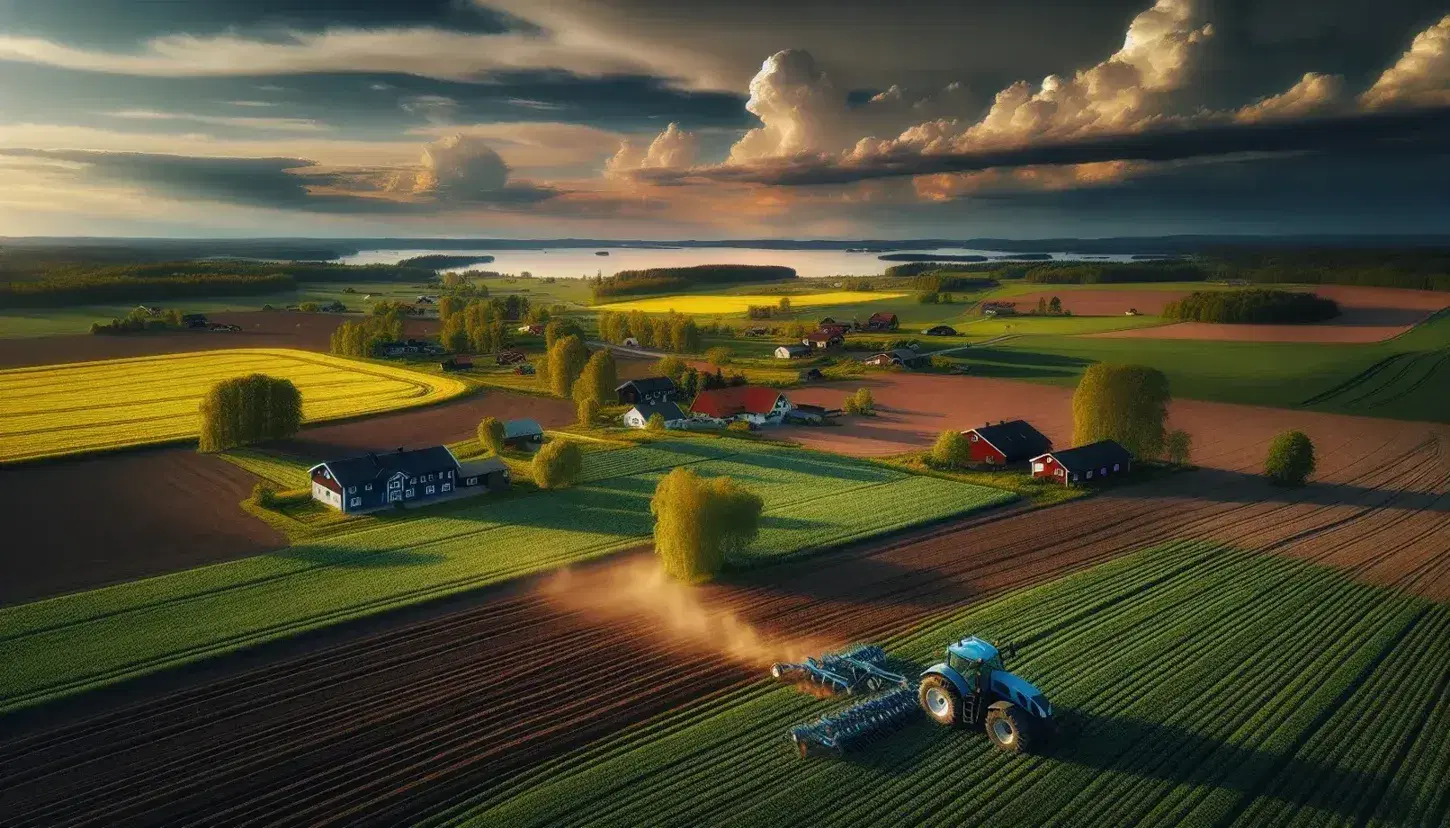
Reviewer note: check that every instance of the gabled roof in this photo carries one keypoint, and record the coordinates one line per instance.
(741, 399)
(823, 334)
(478, 468)
(648, 385)
(882, 316)
(1014, 438)
(902, 354)
(1091, 456)
(367, 468)
(668, 410)
(521, 428)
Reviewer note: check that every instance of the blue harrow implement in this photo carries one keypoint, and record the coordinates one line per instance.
(852, 672)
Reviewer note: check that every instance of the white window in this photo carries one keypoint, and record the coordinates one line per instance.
(1115, 467)
(447, 487)
(1090, 474)
(1103, 471)
(450, 474)
(355, 502)
(429, 490)
(1037, 467)
(367, 487)
(1061, 472)
(409, 493)
(472, 481)
(974, 438)
(352, 490)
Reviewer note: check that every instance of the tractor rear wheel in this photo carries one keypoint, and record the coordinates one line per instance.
(940, 700)
(1010, 728)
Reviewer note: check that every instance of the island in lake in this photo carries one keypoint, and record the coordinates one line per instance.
(440, 261)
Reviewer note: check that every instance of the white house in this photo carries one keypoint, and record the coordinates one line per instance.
(640, 414)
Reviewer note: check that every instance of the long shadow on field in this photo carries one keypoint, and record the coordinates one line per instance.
(1173, 754)
(324, 555)
(872, 586)
(1238, 487)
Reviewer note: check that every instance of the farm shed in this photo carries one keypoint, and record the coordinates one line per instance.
(941, 330)
(792, 352)
(489, 473)
(900, 356)
(811, 375)
(752, 403)
(374, 481)
(882, 321)
(1009, 441)
(999, 308)
(457, 363)
(646, 390)
(523, 434)
(812, 414)
(638, 416)
(1094, 461)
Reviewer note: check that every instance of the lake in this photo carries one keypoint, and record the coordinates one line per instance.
(572, 263)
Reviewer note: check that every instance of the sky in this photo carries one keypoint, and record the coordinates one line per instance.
(656, 119)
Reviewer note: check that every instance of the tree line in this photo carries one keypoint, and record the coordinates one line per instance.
(99, 289)
(363, 337)
(670, 279)
(672, 332)
(140, 320)
(1251, 306)
(251, 409)
(1103, 273)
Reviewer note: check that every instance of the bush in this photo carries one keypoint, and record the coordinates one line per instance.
(700, 522)
(741, 425)
(264, 496)
(1126, 403)
(860, 402)
(951, 450)
(558, 465)
(490, 434)
(1291, 459)
(309, 307)
(655, 423)
(1179, 447)
(588, 410)
(719, 357)
(251, 409)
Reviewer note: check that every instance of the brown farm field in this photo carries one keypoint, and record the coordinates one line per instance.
(260, 329)
(388, 722)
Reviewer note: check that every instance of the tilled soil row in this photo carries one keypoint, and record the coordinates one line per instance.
(396, 725)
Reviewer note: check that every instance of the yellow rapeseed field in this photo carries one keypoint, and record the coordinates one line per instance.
(721, 303)
(53, 410)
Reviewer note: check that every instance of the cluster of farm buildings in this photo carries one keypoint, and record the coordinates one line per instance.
(831, 334)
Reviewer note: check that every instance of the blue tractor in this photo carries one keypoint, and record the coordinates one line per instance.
(973, 688)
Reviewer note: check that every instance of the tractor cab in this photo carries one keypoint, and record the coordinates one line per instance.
(973, 687)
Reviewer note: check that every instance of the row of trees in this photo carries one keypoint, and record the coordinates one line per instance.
(673, 332)
(782, 308)
(479, 326)
(85, 289)
(139, 320)
(1115, 272)
(363, 337)
(251, 409)
(1251, 306)
(673, 279)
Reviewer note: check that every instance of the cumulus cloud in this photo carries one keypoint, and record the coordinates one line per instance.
(1314, 94)
(799, 108)
(674, 148)
(460, 169)
(1421, 77)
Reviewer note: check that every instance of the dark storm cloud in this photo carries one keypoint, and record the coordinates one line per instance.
(122, 22)
(1399, 132)
(276, 183)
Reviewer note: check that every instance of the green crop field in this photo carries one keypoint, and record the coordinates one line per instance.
(1193, 684)
(75, 642)
(1395, 378)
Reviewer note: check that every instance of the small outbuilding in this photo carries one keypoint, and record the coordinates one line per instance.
(823, 339)
(904, 357)
(941, 330)
(647, 390)
(1009, 441)
(1094, 461)
(523, 434)
(811, 375)
(457, 363)
(792, 352)
(489, 473)
(639, 416)
(882, 321)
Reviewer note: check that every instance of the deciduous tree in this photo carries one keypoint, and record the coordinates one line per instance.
(1126, 403)
(557, 465)
(1291, 459)
(491, 434)
(700, 522)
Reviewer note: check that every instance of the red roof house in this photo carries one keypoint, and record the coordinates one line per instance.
(742, 402)
(1006, 442)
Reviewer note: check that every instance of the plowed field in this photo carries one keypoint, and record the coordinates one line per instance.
(391, 724)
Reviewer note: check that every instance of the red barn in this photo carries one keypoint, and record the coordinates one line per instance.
(1009, 441)
(1094, 461)
(754, 403)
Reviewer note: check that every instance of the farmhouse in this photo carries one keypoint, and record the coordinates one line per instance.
(1006, 442)
(752, 403)
(523, 434)
(647, 390)
(792, 352)
(823, 339)
(639, 415)
(899, 356)
(882, 321)
(941, 330)
(1093, 461)
(375, 481)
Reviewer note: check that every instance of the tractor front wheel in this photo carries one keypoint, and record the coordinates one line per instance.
(1010, 728)
(940, 700)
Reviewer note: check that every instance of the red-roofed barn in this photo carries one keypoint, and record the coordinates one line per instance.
(755, 403)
